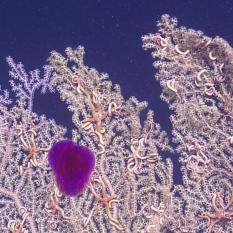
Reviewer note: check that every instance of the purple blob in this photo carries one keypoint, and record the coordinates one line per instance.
(72, 165)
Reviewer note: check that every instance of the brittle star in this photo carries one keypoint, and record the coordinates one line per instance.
(97, 112)
(31, 147)
(14, 226)
(104, 201)
(98, 115)
(220, 213)
(53, 207)
(138, 146)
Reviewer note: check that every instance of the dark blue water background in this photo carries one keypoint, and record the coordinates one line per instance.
(110, 31)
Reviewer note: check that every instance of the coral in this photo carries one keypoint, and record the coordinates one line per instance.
(195, 73)
(131, 188)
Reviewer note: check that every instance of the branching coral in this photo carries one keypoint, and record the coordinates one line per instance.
(131, 188)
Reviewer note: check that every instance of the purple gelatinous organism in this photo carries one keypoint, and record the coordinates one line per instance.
(72, 165)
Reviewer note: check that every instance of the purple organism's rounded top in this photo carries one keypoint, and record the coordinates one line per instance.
(72, 165)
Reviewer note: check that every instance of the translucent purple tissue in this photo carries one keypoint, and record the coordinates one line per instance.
(72, 165)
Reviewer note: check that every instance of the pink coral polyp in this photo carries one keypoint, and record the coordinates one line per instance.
(72, 165)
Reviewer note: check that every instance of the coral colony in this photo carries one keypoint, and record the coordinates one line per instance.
(111, 175)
